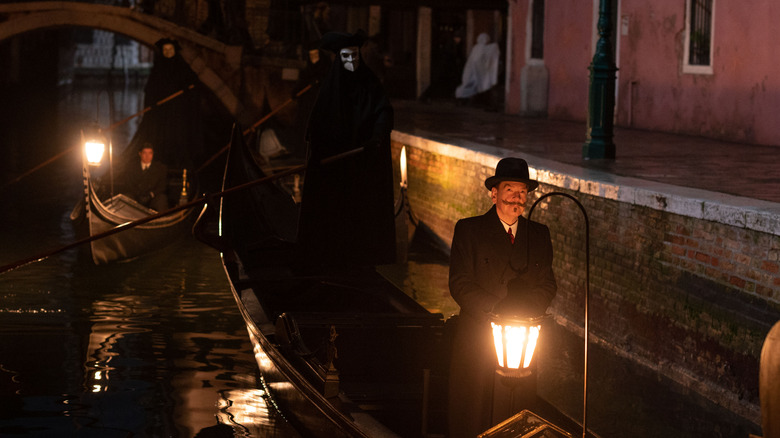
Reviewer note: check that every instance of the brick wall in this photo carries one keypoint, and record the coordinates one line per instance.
(684, 294)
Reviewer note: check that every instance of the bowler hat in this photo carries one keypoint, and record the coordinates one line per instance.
(511, 169)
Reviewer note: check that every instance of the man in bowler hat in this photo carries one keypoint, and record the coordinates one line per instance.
(500, 263)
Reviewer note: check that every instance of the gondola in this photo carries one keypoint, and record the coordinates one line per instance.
(91, 217)
(100, 210)
(341, 352)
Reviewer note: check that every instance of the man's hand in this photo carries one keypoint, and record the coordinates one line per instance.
(522, 300)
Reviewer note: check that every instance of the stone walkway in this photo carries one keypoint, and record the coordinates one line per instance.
(743, 170)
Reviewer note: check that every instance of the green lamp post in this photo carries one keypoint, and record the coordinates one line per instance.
(601, 97)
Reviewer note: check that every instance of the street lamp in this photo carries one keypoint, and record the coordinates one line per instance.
(513, 367)
(601, 99)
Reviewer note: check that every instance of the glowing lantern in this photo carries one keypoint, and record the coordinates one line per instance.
(94, 145)
(515, 341)
(94, 150)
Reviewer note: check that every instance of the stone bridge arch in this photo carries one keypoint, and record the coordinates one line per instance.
(215, 63)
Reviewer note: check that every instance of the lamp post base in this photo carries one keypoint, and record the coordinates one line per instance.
(599, 149)
(512, 394)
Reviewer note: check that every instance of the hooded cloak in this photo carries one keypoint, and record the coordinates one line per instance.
(347, 206)
(173, 128)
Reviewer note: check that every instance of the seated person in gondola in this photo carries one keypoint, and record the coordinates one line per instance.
(146, 181)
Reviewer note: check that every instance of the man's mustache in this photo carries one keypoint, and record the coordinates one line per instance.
(509, 203)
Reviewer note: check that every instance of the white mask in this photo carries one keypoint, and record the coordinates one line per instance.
(350, 58)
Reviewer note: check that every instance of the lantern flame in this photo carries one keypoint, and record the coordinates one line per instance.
(402, 166)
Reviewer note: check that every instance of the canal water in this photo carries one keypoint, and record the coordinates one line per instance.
(155, 347)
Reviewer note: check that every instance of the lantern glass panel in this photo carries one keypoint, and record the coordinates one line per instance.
(497, 340)
(515, 342)
(94, 151)
(533, 337)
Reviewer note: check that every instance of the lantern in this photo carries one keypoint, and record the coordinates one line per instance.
(402, 167)
(515, 341)
(94, 145)
(94, 150)
(95, 142)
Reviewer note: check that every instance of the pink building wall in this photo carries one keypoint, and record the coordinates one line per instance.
(738, 102)
(517, 16)
(567, 55)
(568, 31)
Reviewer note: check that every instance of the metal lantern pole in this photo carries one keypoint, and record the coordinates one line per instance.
(601, 99)
(587, 297)
(111, 164)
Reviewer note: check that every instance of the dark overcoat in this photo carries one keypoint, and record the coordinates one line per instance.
(148, 186)
(490, 274)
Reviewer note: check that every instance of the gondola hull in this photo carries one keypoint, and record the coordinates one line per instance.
(341, 353)
(92, 217)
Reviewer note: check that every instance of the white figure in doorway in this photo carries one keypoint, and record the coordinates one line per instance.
(480, 73)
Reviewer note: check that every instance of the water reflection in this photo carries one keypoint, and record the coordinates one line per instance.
(151, 347)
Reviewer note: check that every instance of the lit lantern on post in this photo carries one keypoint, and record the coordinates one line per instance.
(94, 142)
(94, 146)
(402, 167)
(515, 357)
(515, 341)
(94, 151)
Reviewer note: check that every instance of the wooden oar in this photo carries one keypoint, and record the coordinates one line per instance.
(191, 204)
(113, 126)
(149, 108)
(258, 123)
(50, 160)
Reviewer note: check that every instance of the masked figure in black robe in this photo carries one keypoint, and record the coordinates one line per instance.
(347, 207)
(174, 127)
